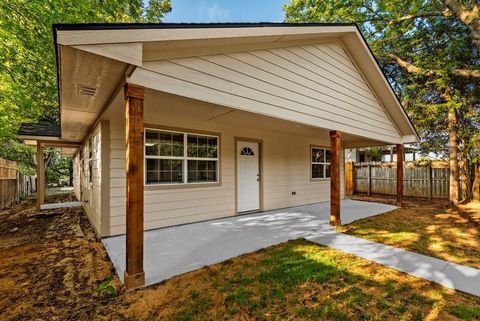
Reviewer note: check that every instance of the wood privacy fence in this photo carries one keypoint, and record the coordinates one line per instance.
(8, 183)
(430, 181)
(13, 185)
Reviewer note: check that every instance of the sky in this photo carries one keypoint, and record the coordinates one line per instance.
(226, 11)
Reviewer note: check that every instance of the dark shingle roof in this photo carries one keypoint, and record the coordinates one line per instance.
(39, 129)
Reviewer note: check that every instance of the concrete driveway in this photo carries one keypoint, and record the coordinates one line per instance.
(179, 249)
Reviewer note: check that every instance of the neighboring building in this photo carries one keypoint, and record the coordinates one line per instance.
(180, 123)
(388, 154)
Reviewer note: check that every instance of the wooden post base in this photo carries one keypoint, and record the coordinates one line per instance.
(334, 221)
(134, 281)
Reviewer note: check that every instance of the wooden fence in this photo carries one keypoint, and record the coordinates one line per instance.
(13, 185)
(8, 183)
(430, 181)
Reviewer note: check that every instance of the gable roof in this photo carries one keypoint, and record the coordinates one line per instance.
(133, 43)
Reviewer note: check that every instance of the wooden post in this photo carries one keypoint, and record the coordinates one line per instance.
(335, 177)
(400, 175)
(134, 276)
(349, 190)
(40, 176)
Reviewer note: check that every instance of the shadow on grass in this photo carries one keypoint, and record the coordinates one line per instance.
(431, 231)
(302, 280)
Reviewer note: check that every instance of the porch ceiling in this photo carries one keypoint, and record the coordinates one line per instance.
(87, 83)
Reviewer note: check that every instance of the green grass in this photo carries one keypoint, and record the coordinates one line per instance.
(429, 230)
(304, 281)
(467, 313)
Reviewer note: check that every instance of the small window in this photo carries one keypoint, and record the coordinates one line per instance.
(180, 158)
(247, 151)
(90, 160)
(320, 162)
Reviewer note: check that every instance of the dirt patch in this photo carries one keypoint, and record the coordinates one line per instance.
(471, 212)
(47, 270)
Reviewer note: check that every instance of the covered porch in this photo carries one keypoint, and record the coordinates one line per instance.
(147, 254)
(283, 90)
(175, 250)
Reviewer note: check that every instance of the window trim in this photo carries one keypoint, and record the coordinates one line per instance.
(314, 179)
(90, 143)
(185, 158)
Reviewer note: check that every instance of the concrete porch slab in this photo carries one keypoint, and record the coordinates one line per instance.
(179, 249)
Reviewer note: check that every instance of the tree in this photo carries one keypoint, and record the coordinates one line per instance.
(429, 50)
(28, 85)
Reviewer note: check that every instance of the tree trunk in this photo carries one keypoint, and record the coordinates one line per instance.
(452, 132)
(464, 168)
(476, 183)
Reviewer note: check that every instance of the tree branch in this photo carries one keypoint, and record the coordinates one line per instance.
(412, 69)
(444, 13)
(470, 18)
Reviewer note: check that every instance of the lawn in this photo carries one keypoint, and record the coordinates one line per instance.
(425, 227)
(299, 280)
(51, 267)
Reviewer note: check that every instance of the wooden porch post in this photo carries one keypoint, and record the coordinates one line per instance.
(335, 178)
(40, 176)
(134, 274)
(400, 175)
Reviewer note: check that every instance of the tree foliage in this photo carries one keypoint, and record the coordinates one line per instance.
(28, 85)
(429, 50)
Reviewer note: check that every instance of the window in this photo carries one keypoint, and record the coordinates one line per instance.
(320, 158)
(90, 160)
(180, 158)
(247, 151)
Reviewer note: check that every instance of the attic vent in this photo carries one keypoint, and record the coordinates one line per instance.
(87, 90)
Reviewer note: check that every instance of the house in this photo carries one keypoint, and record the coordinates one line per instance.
(179, 123)
(384, 154)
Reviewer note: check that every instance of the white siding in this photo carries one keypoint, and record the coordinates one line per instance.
(91, 191)
(286, 168)
(76, 176)
(316, 85)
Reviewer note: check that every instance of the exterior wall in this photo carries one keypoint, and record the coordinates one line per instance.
(91, 191)
(317, 85)
(286, 168)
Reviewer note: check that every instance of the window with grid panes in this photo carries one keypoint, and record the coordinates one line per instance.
(180, 157)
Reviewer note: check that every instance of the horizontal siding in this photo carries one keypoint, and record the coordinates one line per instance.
(91, 193)
(316, 85)
(286, 161)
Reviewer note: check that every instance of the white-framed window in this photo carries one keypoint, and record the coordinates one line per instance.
(173, 157)
(320, 162)
(90, 160)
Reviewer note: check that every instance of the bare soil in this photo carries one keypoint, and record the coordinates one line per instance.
(50, 263)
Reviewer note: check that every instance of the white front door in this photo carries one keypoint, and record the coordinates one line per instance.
(248, 176)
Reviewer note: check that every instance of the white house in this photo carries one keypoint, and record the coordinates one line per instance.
(178, 123)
